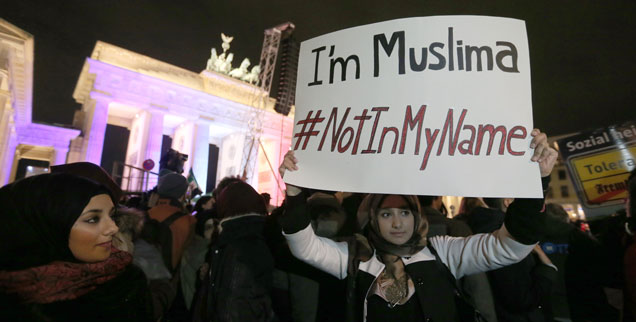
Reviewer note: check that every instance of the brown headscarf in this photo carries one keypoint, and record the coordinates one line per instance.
(417, 241)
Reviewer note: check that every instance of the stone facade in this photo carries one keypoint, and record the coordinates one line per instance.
(20, 138)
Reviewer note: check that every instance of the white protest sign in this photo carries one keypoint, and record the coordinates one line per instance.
(430, 105)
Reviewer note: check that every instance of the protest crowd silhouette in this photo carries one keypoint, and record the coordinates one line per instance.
(74, 247)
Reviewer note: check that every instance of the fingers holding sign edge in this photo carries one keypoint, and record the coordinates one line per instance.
(544, 154)
(289, 163)
(539, 143)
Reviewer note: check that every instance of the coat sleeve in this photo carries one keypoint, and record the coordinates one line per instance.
(322, 253)
(479, 253)
(484, 252)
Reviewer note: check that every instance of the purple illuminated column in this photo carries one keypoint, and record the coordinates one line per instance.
(6, 137)
(60, 155)
(96, 128)
(200, 153)
(153, 143)
(155, 136)
(12, 144)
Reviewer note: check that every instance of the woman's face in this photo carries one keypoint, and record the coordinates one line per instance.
(396, 224)
(93, 231)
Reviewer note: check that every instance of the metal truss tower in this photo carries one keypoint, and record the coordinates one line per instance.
(269, 54)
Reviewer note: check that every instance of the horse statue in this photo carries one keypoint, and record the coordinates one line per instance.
(212, 61)
(252, 77)
(242, 70)
(226, 66)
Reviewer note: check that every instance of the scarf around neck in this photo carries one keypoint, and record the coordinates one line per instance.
(60, 281)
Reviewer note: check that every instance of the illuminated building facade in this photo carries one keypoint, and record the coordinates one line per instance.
(152, 100)
(25, 147)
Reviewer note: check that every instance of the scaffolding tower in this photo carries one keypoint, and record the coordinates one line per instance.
(269, 54)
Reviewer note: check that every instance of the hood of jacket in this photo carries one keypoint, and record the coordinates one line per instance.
(243, 226)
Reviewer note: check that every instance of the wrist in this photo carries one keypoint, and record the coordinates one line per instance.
(545, 182)
(292, 190)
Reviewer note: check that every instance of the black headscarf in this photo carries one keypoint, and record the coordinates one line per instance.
(37, 215)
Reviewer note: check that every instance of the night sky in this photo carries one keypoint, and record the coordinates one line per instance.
(582, 52)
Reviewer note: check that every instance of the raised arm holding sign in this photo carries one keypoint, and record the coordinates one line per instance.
(394, 260)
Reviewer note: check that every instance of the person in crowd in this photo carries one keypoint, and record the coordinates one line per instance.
(629, 259)
(350, 203)
(194, 255)
(170, 211)
(268, 199)
(480, 217)
(522, 290)
(130, 222)
(395, 271)
(435, 202)
(212, 212)
(468, 204)
(475, 286)
(208, 218)
(438, 223)
(57, 260)
(171, 190)
(203, 212)
(204, 203)
(300, 291)
(585, 267)
(240, 274)
(555, 246)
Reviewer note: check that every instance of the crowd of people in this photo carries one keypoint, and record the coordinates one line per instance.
(74, 247)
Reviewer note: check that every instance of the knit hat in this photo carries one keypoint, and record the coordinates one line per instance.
(172, 185)
(239, 198)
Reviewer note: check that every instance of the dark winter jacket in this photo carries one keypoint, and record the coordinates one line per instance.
(301, 291)
(240, 274)
(476, 286)
(586, 274)
(522, 291)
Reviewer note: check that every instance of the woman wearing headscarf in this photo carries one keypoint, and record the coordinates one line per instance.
(57, 260)
(394, 272)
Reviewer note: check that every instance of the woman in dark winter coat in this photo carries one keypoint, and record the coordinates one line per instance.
(57, 261)
(238, 283)
(397, 274)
